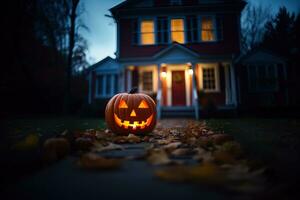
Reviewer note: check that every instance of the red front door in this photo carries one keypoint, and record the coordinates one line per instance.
(178, 88)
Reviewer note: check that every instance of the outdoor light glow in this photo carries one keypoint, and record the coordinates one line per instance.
(164, 74)
(191, 71)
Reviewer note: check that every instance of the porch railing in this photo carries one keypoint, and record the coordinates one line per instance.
(196, 103)
(158, 104)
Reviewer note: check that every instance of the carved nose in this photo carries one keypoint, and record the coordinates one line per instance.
(132, 114)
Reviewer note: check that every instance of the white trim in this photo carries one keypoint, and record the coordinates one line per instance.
(215, 66)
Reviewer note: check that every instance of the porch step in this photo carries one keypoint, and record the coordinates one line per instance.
(178, 111)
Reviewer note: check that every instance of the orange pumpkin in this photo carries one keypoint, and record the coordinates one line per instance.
(131, 113)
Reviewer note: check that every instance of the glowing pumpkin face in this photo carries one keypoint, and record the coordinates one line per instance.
(131, 113)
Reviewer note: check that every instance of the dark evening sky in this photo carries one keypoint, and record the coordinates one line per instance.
(102, 34)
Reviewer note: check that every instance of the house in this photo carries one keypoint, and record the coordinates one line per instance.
(263, 80)
(181, 52)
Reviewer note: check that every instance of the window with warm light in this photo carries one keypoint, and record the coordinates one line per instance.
(147, 32)
(177, 30)
(207, 29)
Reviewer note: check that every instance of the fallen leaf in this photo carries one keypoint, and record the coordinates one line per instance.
(158, 157)
(206, 173)
(55, 149)
(181, 152)
(98, 147)
(92, 161)
(83, 144)
(30, 142)
(203, 155)
(131, 138)
(171, 146)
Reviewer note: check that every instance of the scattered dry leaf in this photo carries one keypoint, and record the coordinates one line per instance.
(158, 157)
(203, 155)
(131, 138)
(98, 147)
(181, 152)
(83, 144)
(94, 162)
(206, 173)
(172, 146)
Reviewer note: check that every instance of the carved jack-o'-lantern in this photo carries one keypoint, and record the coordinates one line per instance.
(131, 113)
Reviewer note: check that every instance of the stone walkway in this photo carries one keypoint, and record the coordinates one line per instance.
(134, 180)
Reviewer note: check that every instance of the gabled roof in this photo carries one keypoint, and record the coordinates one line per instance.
(126, 4)
(174, 46)
(261, 55)
(101, 63)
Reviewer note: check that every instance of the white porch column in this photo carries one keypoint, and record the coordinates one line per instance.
(228, 95)
(233, 85)
(195, 102)
(159, 92)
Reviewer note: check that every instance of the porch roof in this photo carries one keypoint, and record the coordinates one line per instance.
(176, 53)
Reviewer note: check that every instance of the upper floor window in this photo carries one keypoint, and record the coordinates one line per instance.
(208, 29)
(177, 30)
(147, 32)
(175, 2)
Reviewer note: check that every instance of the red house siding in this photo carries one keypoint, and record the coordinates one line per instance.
(229, 44)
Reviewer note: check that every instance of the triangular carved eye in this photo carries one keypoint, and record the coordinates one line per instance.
(143, 104)
(123, 104)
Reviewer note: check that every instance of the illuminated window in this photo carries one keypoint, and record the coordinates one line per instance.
(177, 30)
(147, 32)
(207, 29)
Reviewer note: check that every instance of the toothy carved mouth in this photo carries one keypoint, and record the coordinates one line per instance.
(135, 124)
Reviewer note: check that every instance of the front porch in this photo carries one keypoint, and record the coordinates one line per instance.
(184, 89)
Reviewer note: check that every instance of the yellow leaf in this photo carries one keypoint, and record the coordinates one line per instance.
(92, 161)
(30, 142)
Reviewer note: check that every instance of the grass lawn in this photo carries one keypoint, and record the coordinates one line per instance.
(274, 141)
(15, 129)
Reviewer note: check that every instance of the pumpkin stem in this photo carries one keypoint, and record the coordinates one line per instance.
(133, 90)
